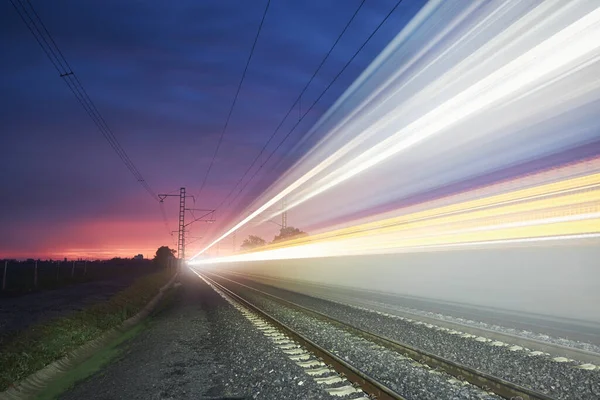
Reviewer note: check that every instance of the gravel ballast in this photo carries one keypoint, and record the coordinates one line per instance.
(567, 332)
(399, 373)
(558, 379)
(201, 347)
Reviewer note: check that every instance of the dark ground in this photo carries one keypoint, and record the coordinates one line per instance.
(200, 347)
(17, 313)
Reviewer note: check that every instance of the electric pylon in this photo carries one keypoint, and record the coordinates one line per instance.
(283, 214)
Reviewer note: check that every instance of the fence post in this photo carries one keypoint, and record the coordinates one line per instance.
(57, 271)
(73, 270)
(35, 275)
(4, 275)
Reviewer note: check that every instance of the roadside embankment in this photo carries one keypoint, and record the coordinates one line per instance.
(27, 351)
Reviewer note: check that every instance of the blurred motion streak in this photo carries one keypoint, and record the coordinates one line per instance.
(569, 209)
(463, 90)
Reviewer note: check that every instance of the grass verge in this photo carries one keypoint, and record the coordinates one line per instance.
(27, 351)
(90, 366)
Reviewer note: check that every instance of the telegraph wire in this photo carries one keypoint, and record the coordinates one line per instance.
(291, 108)
(321, 95)
(239, 87)
(315, 102)
(164, 217)
(297, 101)
(45, 40)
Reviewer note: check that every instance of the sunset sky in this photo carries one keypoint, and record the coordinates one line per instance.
(163, 75)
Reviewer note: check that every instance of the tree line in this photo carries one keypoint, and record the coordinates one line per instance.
(287, 233)
(164, 255)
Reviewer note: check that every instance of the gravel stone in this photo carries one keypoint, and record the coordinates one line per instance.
(560, 380)
(401, 374)
(510, 331)
(200, 347)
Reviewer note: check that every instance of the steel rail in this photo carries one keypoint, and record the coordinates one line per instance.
(369, 385)
(584, 356)
(483, 380)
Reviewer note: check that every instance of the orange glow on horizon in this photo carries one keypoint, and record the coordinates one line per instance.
(98, 239)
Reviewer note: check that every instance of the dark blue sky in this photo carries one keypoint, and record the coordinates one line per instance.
(163, 75)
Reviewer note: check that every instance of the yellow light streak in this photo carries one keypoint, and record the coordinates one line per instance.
(568, 208)
(537, 67)
(553, 189)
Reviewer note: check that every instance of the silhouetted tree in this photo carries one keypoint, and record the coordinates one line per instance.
(253, 242)
(163, 254)
(288, 233)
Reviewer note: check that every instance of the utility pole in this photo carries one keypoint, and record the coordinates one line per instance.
(181, 233)
(283, 214)
(182, 225)
(35, 275)
(181, 236)
(4, 275)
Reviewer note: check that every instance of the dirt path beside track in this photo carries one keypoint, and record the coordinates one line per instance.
(200, 347)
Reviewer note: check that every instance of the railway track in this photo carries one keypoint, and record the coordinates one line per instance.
(460, 320)
(370, 385)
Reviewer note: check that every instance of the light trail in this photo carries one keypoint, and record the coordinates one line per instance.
(566, 209)
(530, 69)
(583, 37)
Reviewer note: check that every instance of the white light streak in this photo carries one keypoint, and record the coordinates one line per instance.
(517, 60)
(319, 253)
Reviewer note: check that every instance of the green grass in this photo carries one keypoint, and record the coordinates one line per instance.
(29, 350)
(90, 366)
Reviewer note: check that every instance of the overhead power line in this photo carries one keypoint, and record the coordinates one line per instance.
(164, 217)
(297, 101)
(43, 37)
(293, 128)
(291, 108)
(237, 92)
